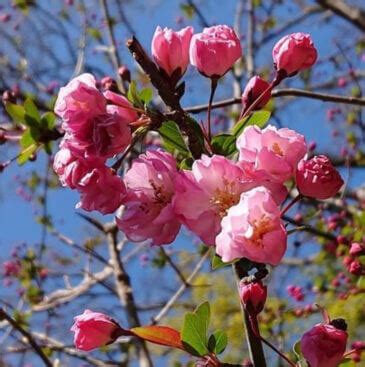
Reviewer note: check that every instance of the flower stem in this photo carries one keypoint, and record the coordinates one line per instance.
(294, 201)
(213, 87)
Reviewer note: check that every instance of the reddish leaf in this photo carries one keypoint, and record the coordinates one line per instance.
(163, 335)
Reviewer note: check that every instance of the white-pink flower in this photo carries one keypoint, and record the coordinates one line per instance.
(274, 151)
(253, 229)
(148, 211)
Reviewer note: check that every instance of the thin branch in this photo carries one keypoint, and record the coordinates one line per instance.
(181, 290)
(125, 293)
(250, 59)
(174, 266)
(27, 335)
(287, 92)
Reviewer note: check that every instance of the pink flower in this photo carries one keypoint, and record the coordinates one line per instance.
(294, 52)
(253, 296)
(253, 229)
(171, 49)
(324, 345)
(317, 178)
(71, 169)
(78, 100)
(120, 105)
(101, 136)
(274, 151)
(101, 190)
(214, 51)
(148, 211)
(204, 195)
(12, 268)
(93, 330)
(357, 249)
(254, 88)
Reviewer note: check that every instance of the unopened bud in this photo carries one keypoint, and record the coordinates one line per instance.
(9, 96)
(124, 73)
(253, 297)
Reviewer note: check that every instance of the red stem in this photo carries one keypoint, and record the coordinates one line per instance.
(294, 201)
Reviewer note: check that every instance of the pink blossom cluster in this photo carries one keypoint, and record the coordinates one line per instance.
(96, 128)
(352, 261)
(296, 292)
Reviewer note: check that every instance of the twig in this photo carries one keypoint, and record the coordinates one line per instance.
(173, 265)
(287, 92)
(125, 293)
(250, 60)
(27, 335)
(181, 290)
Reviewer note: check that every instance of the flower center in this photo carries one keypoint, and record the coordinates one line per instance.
(160, 195)
(261, 226)
(224, 198)
(276, 149)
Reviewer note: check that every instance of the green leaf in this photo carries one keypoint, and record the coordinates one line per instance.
(31, 110)
(361, 282)
(26, 153)
(217, 262)
(298, 353)
(132, 94)
(27, 139)
(16, 112)
(172, 138)
(48, 120)
(258, 118)
(146, 95)
(218, 342)
(347, 362)
(224, 144)
(186, 163)
(194, 331)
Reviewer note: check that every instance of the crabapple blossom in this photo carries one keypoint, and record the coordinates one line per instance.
(148, 211)
(79, 100)
(294, 52)
(324, 345)
(254, 88)
(253, 229)
(170, 49)
(274, 151)
(204, 194)
(214, 51)
(102, 190)
(93, 330)
(116, 103)
(318, 178)
(253, 296)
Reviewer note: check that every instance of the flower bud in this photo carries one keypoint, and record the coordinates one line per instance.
(253, 296)
(357, 249)
(124, 73)
(254, 88)
(94, 329)
(170, 49)
(318, 178)
(293, 53)
(325, 344)
(214, 51)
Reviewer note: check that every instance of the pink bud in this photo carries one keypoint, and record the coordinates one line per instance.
(93, 330)
(359, 345)
(254, 88)
(214, 51)
(253, 296)
(124, 73)
(324, 345)
(355, 268)
(171, 49)
(357, 249)
(318, 178)
(294, 53)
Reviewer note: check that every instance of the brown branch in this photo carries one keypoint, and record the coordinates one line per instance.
(27, 335)
(173, 265)
(125, 292)
(168, 94)
(351, 13)
(287, 92)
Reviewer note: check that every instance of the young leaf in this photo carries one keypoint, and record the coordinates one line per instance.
(162, 335)
(132, 94)
(224, 144)
(31, 110)
(48, 120)
(146, 95)
(195, 328)
(218, 342)
(172, 138)
(27, 139)
(217, 262)
(16, 112)
(26, 153)
(258, 118)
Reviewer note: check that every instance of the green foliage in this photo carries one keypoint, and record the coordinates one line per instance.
(194, 331)
(258, 118)
(224, 144)
(298, 354)
(173, 140)
(217, 342)
(139, 98)
(217, 262)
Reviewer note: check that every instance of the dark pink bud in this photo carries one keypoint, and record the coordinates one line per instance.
(254, 88)
(355, 268)
(324, 344)
(357, 249)
(318, 178)
(359, 345)
(253, 296)
(124, 73)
